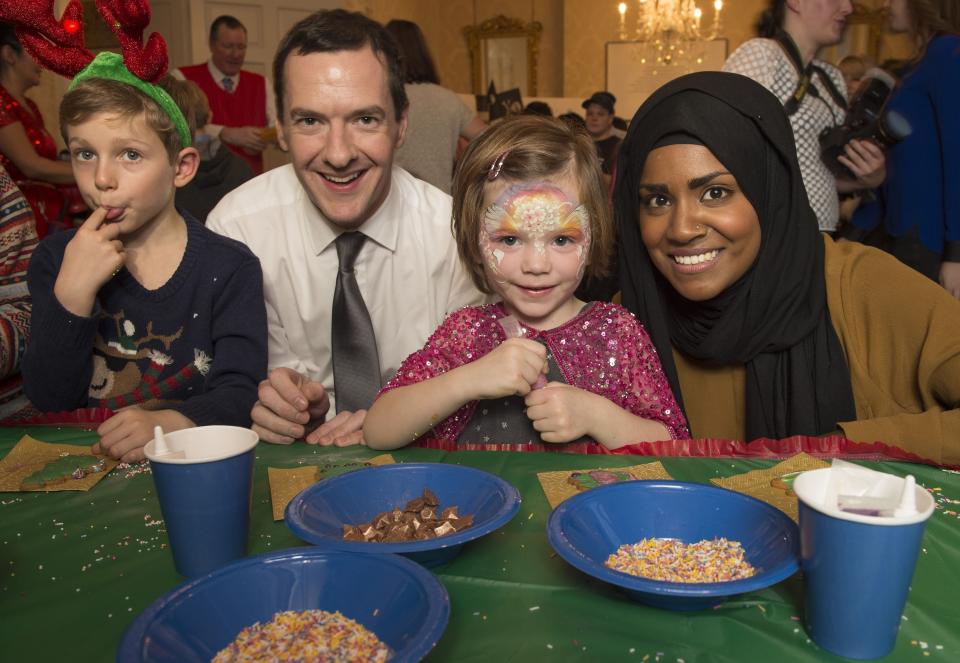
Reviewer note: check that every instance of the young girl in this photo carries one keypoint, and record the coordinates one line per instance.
(531, 220)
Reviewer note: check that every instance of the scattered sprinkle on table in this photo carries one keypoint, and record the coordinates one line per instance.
(309, 635)
(711, 560)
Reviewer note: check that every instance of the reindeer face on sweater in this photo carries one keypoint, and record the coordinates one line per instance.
(130, 368)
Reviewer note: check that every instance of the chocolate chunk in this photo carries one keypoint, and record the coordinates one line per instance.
(352, 533)
(450, 513)
(417, 521)
(444, 528)
(397, 534)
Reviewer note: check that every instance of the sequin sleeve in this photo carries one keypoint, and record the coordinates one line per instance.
(643, 386)
(466, 335)
(8, 109)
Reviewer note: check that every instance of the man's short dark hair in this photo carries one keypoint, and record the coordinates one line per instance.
(230, 22)
(334, 30)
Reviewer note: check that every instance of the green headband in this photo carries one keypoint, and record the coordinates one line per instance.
(110, 66)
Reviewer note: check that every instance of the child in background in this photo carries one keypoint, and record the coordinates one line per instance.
(531, 220)
(853, 68)
(220, 170)
(143, 310)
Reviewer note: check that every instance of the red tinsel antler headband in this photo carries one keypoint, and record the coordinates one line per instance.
(58, 46)
(128, 19)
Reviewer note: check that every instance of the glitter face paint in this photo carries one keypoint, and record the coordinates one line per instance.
(535, 240)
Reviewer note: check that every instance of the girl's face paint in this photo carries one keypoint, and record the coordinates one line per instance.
(535, 239)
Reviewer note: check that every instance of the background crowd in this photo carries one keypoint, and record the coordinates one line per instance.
(753, 282)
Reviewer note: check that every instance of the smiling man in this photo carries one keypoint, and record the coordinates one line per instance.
(358, 257)
(241, 102)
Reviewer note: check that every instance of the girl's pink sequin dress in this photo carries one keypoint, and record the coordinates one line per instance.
(604, 350)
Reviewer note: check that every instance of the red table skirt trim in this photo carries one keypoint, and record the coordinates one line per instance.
(88, 418)
(833, 446)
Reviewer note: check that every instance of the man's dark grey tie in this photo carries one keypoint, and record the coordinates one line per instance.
(227, 84)
(356, 364)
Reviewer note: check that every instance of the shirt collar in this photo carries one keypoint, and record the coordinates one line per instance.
(218, 75)
(383, 227)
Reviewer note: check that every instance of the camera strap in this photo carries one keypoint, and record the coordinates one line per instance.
(805, 75)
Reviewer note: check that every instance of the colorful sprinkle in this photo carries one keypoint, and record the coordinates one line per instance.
(309, 635)
(670, 560)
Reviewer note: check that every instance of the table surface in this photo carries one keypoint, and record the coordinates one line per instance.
(77, 567)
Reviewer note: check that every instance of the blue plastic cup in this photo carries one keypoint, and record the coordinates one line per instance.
(856, 568)
(204, 486)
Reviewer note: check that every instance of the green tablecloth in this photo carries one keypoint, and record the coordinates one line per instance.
(76, 568)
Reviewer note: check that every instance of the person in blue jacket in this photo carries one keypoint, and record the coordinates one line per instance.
(916, 214)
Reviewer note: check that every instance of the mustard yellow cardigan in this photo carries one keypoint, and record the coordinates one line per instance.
(901, 336)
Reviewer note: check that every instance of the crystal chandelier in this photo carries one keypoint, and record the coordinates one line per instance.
(670, 30)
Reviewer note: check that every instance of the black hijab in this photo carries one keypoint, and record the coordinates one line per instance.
(774, 319)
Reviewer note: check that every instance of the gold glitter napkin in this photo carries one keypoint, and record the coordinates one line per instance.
(774, 485)
(285, 483)
(558, 486)
(30, 456)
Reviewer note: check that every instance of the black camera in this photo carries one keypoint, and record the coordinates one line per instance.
(866, 119)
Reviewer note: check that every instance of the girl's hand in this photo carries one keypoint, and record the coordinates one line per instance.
(91, 258)
(512, 368)
(561, 413)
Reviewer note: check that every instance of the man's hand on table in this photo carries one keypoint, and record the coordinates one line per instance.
(290, 406)
(124, 435)
(343, 430)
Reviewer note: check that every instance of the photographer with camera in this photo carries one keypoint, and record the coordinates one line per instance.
(916, 216)
(813, 93)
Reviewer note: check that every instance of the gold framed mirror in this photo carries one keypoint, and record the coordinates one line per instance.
(504, 50)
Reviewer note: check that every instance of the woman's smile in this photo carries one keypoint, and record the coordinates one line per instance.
(691, 263)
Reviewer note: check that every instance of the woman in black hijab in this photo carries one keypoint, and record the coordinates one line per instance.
(765, 327)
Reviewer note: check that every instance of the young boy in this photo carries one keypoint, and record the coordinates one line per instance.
(142, 309)
(220, 170)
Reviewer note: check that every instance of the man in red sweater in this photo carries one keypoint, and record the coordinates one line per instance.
(241, 102)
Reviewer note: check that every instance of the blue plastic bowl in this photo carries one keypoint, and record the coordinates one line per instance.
(317, 515)
(399, 601)
(586, 528)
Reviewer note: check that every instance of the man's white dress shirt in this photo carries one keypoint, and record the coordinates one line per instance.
(408, 271)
